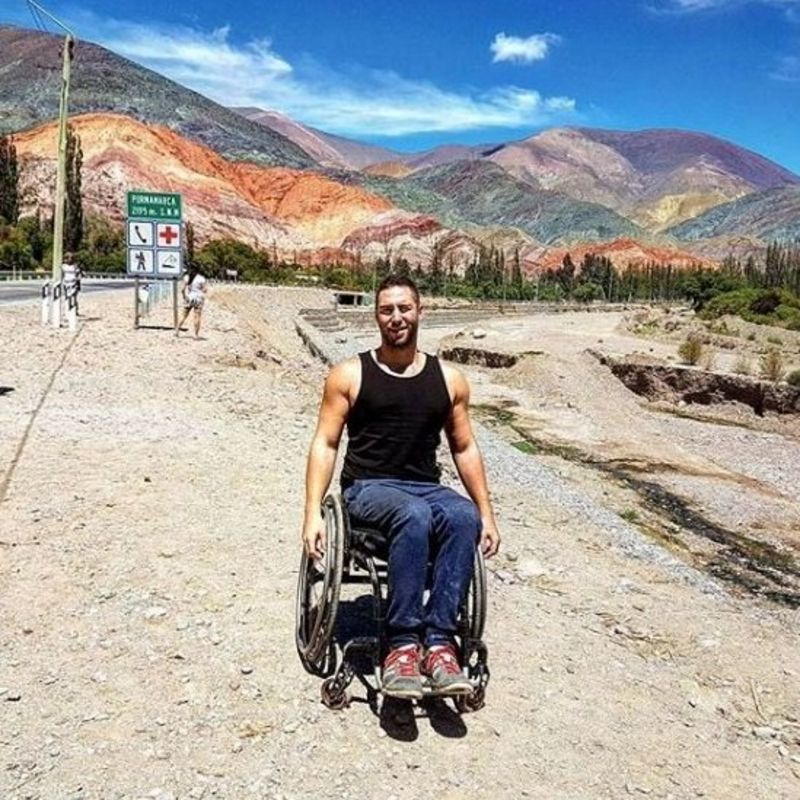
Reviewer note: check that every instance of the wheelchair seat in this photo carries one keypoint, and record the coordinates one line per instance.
(357, 554)
(371, 541)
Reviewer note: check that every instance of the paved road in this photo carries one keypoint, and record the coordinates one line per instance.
(31, 290)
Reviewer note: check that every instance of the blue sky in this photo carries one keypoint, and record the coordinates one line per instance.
(417, 73)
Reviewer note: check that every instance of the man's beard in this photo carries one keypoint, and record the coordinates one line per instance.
(393, 344)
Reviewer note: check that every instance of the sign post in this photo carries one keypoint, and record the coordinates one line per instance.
(154, 234)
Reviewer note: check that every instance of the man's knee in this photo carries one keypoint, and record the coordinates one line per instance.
(463, 520)
(414, 518)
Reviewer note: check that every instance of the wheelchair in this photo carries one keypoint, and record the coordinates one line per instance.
(356, 555)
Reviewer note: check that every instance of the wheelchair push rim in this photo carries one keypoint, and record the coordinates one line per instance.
(318, 590)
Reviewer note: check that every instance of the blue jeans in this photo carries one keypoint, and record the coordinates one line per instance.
(423, 522)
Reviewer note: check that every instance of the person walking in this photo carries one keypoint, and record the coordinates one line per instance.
(195, 287)
(395, 401)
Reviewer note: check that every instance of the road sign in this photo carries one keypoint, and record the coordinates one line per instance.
(140, 262)
(168, 234)
(168, 262)
(154, 205)
(140, 234)
(154, 234)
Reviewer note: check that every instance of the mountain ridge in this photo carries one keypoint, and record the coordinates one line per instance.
(102, 81)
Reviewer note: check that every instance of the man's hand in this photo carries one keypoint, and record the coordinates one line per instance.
(313, 538)
(490, 539)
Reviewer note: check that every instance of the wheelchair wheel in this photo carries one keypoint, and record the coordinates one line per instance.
(476, 598)
(318, 587)
(470, 703)
(333, 695)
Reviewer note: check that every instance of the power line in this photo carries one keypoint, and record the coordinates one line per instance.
(38, 20)
(42, 12)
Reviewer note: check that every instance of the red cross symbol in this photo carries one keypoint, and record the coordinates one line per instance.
(168, 235)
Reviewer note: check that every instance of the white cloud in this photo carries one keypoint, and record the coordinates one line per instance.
(351, 102)
(788, 70)
(185, 46)
(701, 5)
(523, 51)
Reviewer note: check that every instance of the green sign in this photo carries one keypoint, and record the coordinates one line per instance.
(154, 205)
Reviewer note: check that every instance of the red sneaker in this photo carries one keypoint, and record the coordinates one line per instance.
(445, 673)
(401, 676)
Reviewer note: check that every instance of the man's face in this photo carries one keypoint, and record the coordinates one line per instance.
(397, 313)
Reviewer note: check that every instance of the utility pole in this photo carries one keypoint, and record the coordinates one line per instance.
(61, 166)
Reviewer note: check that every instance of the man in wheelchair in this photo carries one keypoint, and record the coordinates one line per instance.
(395, 401)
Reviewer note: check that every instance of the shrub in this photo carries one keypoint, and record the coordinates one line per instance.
(709, 360)
(691, 349)
(766, 302)
(762, 306)
(772, 365)
(775, 340)
(586, 292)
(793, 378)
(737, 302)
(721, 328)
(742, 365)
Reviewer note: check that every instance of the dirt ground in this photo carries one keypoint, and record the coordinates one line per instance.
(150, 504)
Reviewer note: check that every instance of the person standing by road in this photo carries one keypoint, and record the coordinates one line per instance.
(71, 278)
(395, 401)
(195, 287)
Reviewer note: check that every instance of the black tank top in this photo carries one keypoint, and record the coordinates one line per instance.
(395, 424)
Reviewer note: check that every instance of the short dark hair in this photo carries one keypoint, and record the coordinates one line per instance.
(393, 279)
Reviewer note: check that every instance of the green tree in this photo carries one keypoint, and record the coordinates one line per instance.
(220, 254)
(587, 291)
(701, 286)
(9, 181)
(38, 239)
(15, 251)
(566, 274)
(189, 243)
(73, 213)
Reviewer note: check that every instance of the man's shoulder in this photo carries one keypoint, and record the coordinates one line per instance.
(451, 372)
(346, 372)
(454, 378)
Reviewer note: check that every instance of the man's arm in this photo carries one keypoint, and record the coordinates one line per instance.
(468, 460)
(322, 454)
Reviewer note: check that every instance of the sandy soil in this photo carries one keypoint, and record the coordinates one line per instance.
(149, 522)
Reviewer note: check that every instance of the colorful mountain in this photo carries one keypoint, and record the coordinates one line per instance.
(263, 206)
(576, 188)
(656, 178)
(481, 193)
(623, 253)
(30, 75)
(325, 148)
(773, 214)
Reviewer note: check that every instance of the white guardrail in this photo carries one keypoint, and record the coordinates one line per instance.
(29, 275)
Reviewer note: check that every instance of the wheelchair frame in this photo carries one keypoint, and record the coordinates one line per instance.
(349, 559)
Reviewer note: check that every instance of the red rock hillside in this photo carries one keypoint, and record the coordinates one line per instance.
(622, 252)
(265, 207)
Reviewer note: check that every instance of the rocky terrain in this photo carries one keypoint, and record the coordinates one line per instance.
(150, 503)
(656, 178)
